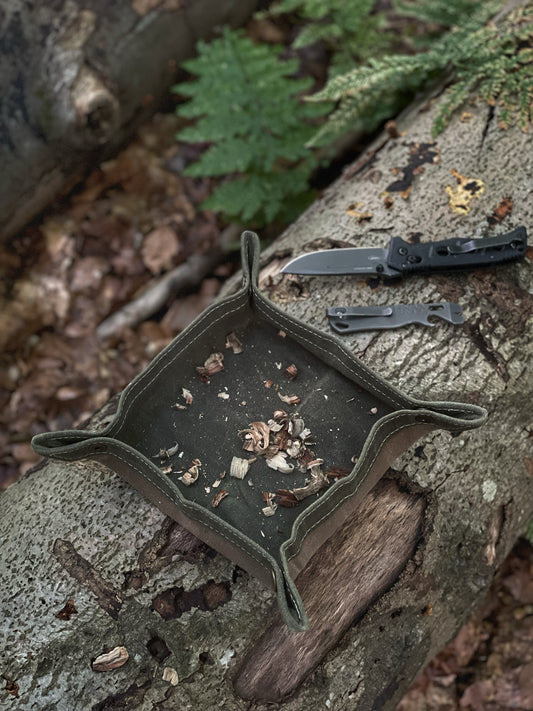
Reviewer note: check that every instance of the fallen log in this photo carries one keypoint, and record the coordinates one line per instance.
(401, 577)
(77, 79)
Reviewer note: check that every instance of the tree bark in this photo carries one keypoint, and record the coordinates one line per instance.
(77, 78)
(400, 578)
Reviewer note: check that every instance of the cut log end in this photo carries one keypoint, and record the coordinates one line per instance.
(355, 566)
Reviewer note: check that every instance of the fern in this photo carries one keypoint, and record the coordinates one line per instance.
(247, 107)
(494, 63)
(349, 30)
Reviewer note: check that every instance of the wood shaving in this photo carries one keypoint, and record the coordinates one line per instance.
(239, 467)
(211, 366)
(216, 484)
(274, 426)
(110, 660)
(187, 396)
(286, 498)
(318, 481)
(280, 463)
(192, 474)
(337, 472)
(271, 506)
(233, 342)
(291, 372)
(257, 437)
(289, 399)
(218, 497)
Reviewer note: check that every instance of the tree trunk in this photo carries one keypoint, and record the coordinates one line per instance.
(77, 78)
(400, 578)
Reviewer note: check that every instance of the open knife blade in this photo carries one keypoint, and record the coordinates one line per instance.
(402, 258)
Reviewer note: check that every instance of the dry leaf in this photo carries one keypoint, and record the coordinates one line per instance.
(110, 660)
(159, 249)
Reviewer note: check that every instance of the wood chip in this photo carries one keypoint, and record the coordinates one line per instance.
(218, 497)
(233, 342)
(337, 472)
(239, 467)
(289, 399)
(318, 481)
(286, 498)
(211, 366)
(192, 474)
(280, 464)
(170, 675)
(223, 396)
(291, 372)
(187, 396)
(110, 660)
(271, 506)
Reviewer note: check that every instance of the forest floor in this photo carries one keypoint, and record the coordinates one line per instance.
(134, 219)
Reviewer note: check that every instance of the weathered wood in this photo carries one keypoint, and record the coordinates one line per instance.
(77, 78)
(351, 570)
(188, 609)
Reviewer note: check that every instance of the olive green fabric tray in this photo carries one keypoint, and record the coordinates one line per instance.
(353, 415)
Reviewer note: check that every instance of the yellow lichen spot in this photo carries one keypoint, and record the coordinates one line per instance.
(466, 190)
(465, 117)
(360, 216)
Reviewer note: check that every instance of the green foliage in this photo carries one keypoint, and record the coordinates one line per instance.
(247, 107)
(493, 62)
(350, 30)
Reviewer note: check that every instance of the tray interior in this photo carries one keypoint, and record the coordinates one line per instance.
(338, 412)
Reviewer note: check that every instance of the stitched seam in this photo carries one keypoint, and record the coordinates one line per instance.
(182, 503)
(349, 493)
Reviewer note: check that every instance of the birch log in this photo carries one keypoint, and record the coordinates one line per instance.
(399, 580)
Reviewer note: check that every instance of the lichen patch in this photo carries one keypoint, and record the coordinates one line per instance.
(463, 193)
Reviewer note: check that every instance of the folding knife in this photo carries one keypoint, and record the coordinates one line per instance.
(402, 258)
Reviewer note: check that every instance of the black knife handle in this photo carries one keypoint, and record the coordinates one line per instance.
(457, 253)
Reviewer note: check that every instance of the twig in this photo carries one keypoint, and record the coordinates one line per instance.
(186, 275)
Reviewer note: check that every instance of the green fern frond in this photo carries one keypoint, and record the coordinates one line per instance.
(348, 29)
(493, 63)
(246, 104)
(260, 196)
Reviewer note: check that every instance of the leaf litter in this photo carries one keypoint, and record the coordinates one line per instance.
(135, 217)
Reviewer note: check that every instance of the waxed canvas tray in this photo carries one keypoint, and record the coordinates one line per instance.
(353, 415)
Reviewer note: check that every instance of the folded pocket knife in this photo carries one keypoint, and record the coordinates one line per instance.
(402, 258)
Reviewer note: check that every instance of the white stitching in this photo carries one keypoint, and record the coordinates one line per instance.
(348, 494)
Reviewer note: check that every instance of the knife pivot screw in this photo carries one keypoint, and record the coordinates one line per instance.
(402, 251)
(414, 259)
(379, 268)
